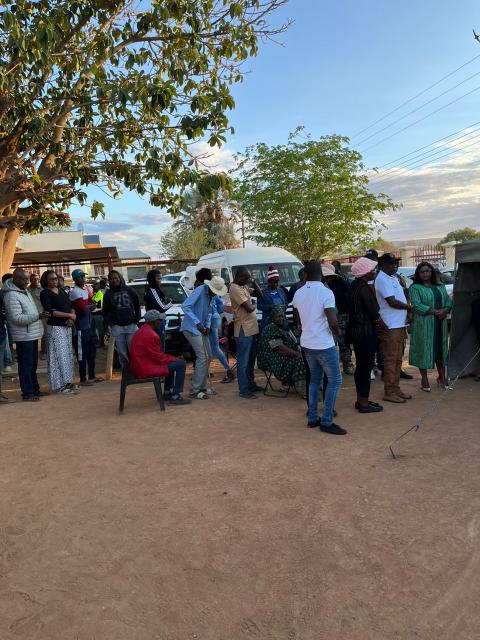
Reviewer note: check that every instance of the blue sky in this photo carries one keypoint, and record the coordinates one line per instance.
(341, 66)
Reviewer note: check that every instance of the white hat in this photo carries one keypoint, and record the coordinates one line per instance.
(217, 285)
(328, 270)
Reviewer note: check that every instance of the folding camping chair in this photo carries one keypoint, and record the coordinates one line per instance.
(276, 393)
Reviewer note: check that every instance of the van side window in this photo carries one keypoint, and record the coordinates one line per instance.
(226, 276)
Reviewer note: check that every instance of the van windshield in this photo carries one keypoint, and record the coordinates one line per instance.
(288, 272)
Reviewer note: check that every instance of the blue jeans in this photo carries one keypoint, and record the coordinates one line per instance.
(7, 355)
(201, 346)
(84, 343)
(176, 377)
(27, 354)
(161, 334)
(123, 337)
(322, 361)
(215, 345)
(246, 354)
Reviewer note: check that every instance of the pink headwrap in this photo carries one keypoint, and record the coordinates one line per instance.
(362, 266)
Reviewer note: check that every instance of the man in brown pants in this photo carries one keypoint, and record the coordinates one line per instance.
(395, 311)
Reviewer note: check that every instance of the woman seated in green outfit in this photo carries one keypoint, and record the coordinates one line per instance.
(279, 353)
(429, 328)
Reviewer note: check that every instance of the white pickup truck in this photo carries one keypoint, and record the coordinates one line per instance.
(175, 342)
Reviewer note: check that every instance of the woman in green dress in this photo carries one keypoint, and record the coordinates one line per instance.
(429, 329)
(278, 352)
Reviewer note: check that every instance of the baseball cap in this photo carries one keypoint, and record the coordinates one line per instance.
(152, 315)
(371, 254)
(387, 258)
(78, 273)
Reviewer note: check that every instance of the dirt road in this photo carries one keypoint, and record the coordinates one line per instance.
(230, 520)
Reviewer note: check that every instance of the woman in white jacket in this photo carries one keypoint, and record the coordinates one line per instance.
(25, 328)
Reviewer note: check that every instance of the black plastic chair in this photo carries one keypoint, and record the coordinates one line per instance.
(128, 378)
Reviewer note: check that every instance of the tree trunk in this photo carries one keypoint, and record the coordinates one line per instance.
(8, 244)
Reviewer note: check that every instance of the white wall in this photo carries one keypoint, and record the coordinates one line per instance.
(51, 241)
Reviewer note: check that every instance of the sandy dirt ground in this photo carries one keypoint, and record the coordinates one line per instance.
(230, 520)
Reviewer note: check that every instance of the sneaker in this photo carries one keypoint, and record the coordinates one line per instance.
(178, 400)
(256, 389)
(7, 369)
(370, 408)
(210, 392)
(86, 383)
(67, 391)
(333, 429)
(372, 375)
(248, 396)
(5, 400)
(405, 376)
(200, 395)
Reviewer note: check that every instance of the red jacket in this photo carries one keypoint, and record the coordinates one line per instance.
(147, 360)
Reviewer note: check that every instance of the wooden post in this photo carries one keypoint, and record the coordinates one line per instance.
(110, 352)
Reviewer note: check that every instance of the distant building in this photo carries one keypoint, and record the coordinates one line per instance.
(65, 251)
(131, 264)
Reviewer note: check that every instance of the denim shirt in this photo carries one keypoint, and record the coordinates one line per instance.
(265, 304)
(197, 309)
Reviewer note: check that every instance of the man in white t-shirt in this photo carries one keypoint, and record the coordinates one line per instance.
(395, 311)
(315, 314)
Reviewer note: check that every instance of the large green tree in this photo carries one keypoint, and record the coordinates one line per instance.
(310, 197)
(461, 235)
(113, 93)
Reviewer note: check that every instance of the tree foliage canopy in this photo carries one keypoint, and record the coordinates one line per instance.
(113, 94)
(310, 197)
(202, 226)
(461, 235)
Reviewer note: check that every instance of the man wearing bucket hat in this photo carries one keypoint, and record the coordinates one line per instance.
(147, 360)
(196, 322)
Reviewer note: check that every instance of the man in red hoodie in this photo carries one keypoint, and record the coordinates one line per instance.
(147, 360)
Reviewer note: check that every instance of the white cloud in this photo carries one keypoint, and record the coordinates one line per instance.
(213, 158)
(436, 198)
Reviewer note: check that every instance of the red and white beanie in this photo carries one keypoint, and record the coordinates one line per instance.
(272, 274)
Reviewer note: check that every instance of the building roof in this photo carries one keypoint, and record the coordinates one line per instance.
(67, 256)
(133, 255)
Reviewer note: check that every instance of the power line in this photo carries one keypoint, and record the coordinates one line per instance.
(409, 113)
(412, 124)
(421, 93)
(451, 135)
(432, 152)
(406, 170)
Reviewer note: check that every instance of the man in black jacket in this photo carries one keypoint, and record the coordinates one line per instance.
(121, 313)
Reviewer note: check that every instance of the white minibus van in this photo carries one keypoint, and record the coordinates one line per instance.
(224, 264)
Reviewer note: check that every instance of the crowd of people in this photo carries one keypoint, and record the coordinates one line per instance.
(332, 319)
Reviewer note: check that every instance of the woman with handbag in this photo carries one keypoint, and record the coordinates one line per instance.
(363, 325)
